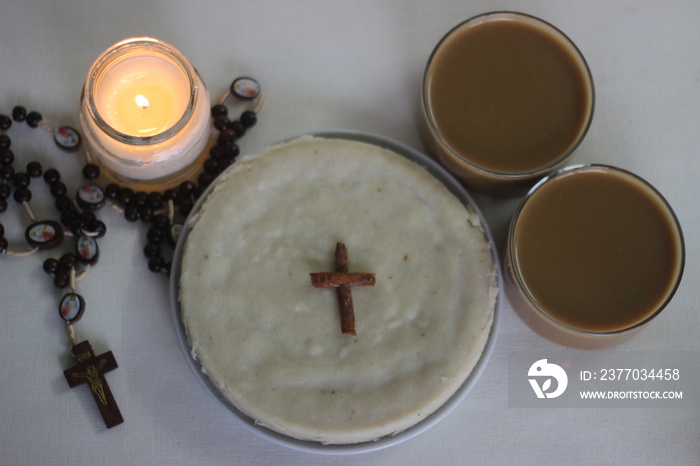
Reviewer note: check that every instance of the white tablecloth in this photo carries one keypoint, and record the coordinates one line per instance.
(327, 65)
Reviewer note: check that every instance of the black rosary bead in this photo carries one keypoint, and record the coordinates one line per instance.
(161, 221)
(34, 169)
(61, 279)
(87, 217)
(21, 180)
(125, 195)
(228, 153)
(169, 194)
(23, 195)
(91, 171)
(156, 264)
(76, 226)
(58, 189)
(51, 266)
(219, 110)
(151, 250)
(155, 200)
(217, 152)
(68, 216)
(81, 226)
(205, 179)
(3, 244)
(145, 213)
(33, 119)
(185, 205)
(5, 191)
(7, 172)
(237, 128)
(224, 163)
(68, 260)
(185, 188)
(63, 203)
(2, 230)
(111, 191)
(232, 151)
(155, 235)
(199, 190)
(7, 157)
(211, 166)
(19, 113)
(131, 213)
(248, 118)
(51, 176)
(221, 122)
(5, 122)
(5, 142)
(227, 136)
(96, 227)
(139, 198)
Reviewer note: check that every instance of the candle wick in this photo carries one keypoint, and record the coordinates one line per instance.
(142, 101)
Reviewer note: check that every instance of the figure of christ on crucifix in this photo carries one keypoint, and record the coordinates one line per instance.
(90, 369)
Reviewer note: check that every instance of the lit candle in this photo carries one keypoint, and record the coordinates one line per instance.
(143, 96)
(145, 113)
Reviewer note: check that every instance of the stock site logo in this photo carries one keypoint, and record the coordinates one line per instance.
(544, 372)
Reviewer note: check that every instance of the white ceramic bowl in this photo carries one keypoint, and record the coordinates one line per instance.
(316, 447)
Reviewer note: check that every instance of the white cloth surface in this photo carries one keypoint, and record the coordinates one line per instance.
(327, 65)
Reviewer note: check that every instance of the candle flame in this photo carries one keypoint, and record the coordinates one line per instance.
(142, 102)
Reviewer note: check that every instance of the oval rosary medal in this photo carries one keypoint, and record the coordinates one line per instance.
(86, 250)
(71, 307)
(67, 138)
(44, 234)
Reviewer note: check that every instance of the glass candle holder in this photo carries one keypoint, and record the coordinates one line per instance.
(506, 99)
(595, 251)
(145, 114)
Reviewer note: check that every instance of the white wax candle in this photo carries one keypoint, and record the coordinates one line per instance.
(140, 94)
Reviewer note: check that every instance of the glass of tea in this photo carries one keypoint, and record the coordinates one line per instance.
(594, 250)
(506, 99)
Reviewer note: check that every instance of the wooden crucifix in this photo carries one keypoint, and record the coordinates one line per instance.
(343, 280)
(90, 369)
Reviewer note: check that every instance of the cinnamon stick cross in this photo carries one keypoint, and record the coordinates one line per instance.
(343, 280)
(90, 369)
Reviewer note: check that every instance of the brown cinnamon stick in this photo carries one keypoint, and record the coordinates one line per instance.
(335, 279)
(347, 310)
(343, 280)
